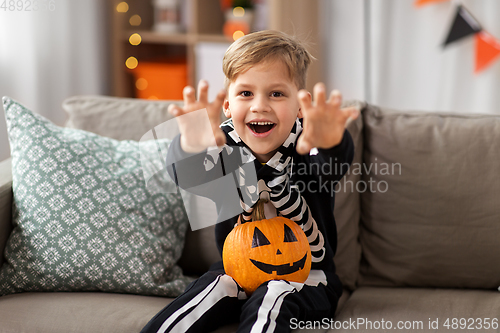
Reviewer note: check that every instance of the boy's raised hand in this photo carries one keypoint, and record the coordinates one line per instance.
(324, 120)
(196, 134)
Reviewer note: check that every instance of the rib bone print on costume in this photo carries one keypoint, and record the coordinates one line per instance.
(274, 185)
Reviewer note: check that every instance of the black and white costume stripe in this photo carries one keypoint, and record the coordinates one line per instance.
(216, 299)
(223, 286)
(274, 185)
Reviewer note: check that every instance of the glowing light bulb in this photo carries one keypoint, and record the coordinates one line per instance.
(238, 34)
(122, 7)
(135, 20)
(141, 83)
(131, 62)
(238, 11)
(135, 39)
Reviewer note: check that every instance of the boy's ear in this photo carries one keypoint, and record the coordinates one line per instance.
(225, 106)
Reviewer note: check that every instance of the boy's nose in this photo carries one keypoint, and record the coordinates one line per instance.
(260, 105)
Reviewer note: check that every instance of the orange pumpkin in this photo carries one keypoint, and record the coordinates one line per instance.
(267, 249)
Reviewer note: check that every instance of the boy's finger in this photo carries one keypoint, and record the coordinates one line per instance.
(319, 93)
(219, 99)
(354, 113)
(220, 138)
(303, 146)
(335, 98)
(188, 95)
(175, 110)
(304, 98)
(203, 91)
(350, 113)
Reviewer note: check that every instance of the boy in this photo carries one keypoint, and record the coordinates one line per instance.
(273, 118)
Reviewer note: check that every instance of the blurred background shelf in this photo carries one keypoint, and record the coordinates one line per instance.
(153, 37)
(197, 46)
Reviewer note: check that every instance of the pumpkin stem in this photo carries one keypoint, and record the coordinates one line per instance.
(258, 210)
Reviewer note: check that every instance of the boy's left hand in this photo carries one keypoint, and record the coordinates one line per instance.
(324, 120)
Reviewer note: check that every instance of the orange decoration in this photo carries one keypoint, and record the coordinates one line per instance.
(231, 26)
(264, 250)
(487, 50)
(420, 3)
(165, 79)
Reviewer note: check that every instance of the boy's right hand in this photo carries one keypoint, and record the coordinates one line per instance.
(196, 135)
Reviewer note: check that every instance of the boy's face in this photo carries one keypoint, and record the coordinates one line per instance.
(263, 105)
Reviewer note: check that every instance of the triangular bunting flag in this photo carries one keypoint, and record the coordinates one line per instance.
(420, 3)
(487, 49)
(463, 26)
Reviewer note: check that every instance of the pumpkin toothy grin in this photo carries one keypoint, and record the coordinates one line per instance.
(280, 269)
(260, 126)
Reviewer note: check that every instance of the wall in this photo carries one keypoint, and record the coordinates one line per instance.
(390, 53)
(47, 56)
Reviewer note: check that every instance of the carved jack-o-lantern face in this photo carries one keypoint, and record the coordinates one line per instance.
(273, 249)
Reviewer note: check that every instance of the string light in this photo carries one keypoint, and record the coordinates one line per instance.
(135, 39)
(131, 62)
(239, 11)
(135, 20)
(122, 7)
(238, 34)
(141, 83)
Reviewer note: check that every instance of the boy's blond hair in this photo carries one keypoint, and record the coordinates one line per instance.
(267, 45)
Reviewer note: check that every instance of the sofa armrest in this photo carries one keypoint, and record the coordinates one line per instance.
(5, 204)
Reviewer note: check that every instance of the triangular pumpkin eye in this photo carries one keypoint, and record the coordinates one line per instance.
(289, 236)
(259, 239)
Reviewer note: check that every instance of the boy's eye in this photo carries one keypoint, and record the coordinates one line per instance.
(277, 94)
(246, 93)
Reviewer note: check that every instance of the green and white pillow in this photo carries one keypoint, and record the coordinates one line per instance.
(84, 219)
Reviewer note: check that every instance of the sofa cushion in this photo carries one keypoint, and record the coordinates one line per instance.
(78, 312)
(200, 251)
(115, 117)
(414, 309)
(346, 209)
(5, 204)
(129, 119)
(83, 216)
(431, 216)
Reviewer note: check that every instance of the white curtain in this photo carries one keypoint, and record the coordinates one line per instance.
(47, 56)
(390, 53)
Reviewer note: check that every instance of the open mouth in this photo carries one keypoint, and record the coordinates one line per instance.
(260, 127)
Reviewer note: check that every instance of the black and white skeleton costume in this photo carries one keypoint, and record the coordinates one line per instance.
(298, 187)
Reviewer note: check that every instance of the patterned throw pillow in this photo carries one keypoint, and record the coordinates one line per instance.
(84, 219)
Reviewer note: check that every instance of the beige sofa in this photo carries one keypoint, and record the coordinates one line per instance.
(418, 224)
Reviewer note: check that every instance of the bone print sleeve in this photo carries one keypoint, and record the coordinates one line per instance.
(193, 171)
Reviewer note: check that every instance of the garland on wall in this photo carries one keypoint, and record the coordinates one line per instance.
(487, 47)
